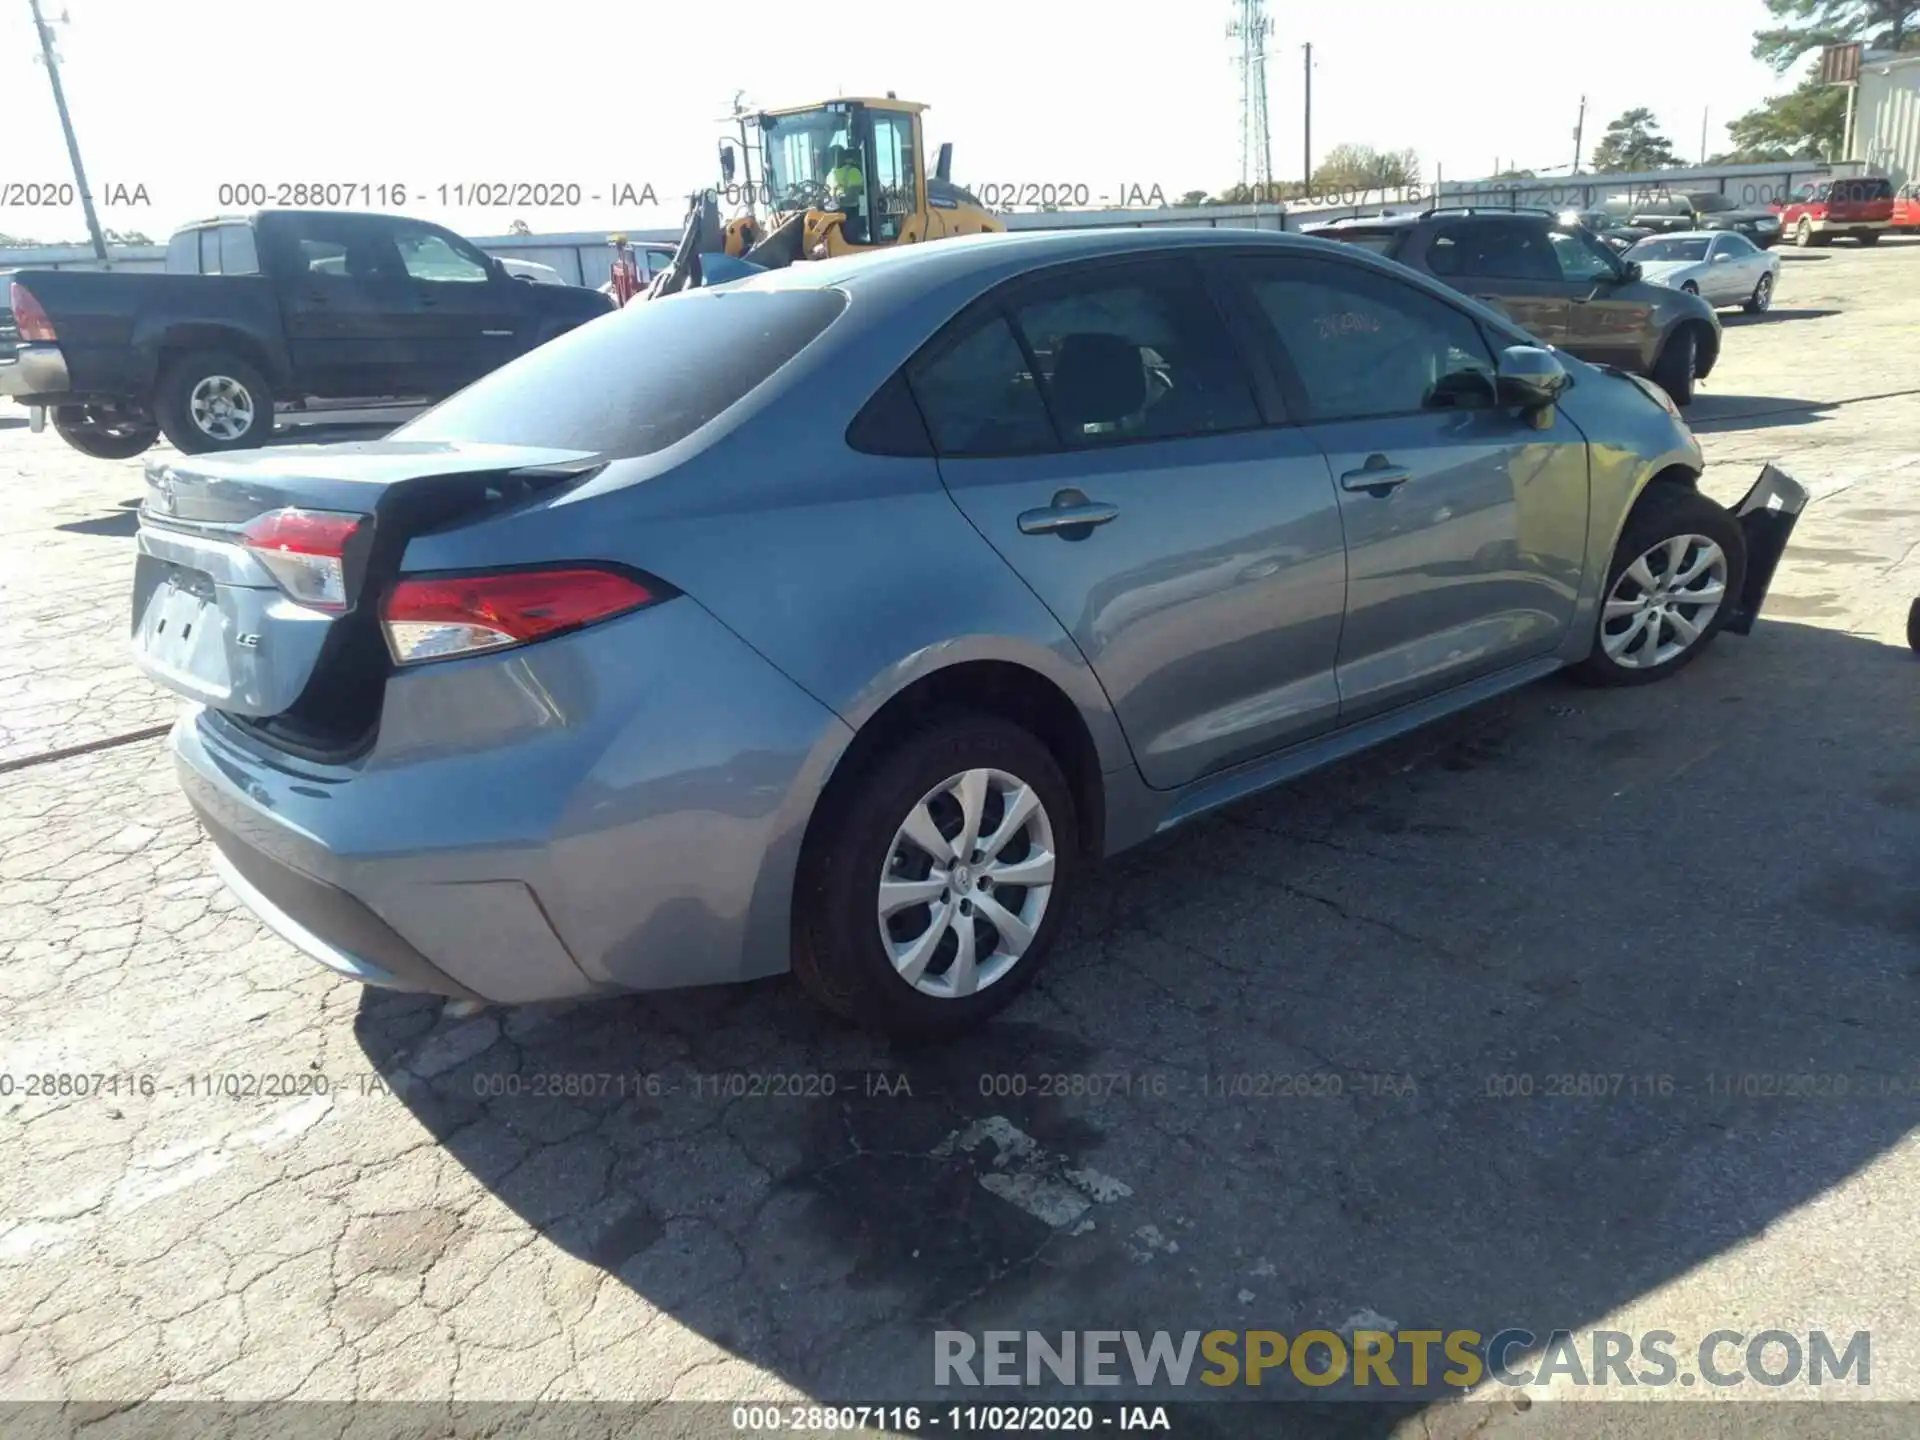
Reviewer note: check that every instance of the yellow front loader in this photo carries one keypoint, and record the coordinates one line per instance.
(843, 177)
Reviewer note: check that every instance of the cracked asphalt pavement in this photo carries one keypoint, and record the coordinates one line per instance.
(281, 1186)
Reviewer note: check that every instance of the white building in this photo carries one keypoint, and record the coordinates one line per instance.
(1886, 117)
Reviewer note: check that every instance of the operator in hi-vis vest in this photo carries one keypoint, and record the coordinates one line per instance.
(848, 189)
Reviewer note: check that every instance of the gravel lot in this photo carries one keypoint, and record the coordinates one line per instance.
(1712, 877)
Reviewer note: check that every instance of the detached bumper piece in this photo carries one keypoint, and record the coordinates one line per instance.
(1767, 515)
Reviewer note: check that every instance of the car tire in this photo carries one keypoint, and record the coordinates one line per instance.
(1674, 371)
(213, 400)
(898, 974)
(102, 438)
(1672, 531)
(1868, 237)
(1913, 626)
(1762, 298)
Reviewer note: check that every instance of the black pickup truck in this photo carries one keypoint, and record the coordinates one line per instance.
(281, 307)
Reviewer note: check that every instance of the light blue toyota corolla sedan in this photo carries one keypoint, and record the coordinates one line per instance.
(836, 619)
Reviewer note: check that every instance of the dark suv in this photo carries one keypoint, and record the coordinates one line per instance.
(1558, 280)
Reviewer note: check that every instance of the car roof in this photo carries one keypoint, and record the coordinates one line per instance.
(991, 257)
(1690, 235)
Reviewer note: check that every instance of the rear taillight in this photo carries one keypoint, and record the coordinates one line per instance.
(28, 318)
(306, 552)
(438, 618)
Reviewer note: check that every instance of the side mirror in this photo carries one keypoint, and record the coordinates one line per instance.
(1529, 377)
(1631, 271)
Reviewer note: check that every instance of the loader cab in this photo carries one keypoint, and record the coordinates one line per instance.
(801, 148)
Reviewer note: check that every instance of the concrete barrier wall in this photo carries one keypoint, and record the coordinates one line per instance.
(585, 258)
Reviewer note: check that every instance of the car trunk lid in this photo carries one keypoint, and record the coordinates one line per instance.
(258, 578)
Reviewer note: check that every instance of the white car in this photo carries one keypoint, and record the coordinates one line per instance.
(1722, 267)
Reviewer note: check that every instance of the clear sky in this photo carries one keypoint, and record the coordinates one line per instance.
(181, 98)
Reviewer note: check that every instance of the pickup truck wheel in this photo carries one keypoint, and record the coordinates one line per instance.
(1868, 237)
(103, 436)
(1674, 371)
(211, 400)
(1680, 565)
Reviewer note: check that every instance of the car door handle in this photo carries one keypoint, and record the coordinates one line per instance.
(1077, 514)
(1376, 480)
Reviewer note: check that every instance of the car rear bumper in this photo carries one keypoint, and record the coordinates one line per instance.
(36, 376)
(619, 809)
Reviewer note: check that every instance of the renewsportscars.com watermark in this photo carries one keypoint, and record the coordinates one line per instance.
(1381, 1360)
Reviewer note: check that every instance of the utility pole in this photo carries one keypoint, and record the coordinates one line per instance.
(1306, 130)
(1703, 135)
(1579, 134)
(45, 32)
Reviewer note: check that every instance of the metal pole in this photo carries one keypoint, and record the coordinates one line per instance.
(45, 32)
(1846, 145)
(1307, 130)
(1703, 135)
(1579, 133)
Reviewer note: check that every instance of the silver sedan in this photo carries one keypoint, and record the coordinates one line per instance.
(1720, 266)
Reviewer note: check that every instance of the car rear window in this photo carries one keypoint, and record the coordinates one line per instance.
(639, 380)
(1380, 242)
(1861, 192)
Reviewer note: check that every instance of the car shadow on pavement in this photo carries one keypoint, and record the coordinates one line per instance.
(1740, 320)
(1714, 414)
(121, 524)
(13, 422)
(1507, 1023)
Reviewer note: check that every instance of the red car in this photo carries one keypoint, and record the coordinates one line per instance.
(1906, 207)
(1815, 213)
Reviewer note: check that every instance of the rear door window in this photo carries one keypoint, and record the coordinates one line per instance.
(1134, 352)
(978, 393)
(639, 379)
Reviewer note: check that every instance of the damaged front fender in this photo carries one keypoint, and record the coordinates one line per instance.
(1767, 515)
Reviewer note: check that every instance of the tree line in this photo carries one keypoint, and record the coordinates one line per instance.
(1807, 122)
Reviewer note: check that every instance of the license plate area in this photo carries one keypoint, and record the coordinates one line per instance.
(181, 632)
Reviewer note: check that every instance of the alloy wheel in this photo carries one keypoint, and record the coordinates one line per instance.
(966, 883)
(221, 407)
(1763, 293)
(1663, 602)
